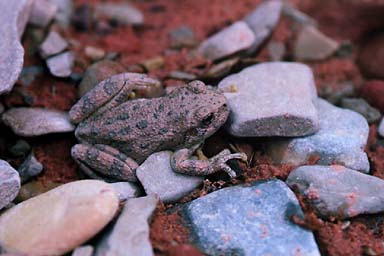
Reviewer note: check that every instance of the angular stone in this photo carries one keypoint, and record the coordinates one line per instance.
(43, 11)
(9, 184)
(130, 234)
(362, 107)
(123, 13)
(311, 44)
(381, 128)
(53, 44)
(230, 40)
(126, 190)
(13, 18)
(249, 220)
(263, 20)
(336, 191)
(271, 99)
(94, 53)
(156, 176)
(341, 140)
(61, 65)
(29, 168)
(83, 251)
(58, 221)
(37, 121)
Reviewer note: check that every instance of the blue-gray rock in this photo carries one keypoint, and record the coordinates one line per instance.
(156, 176)
(126, 190)
(271, 99)
(262, 21)
(362, 107)
(341, 140)
(130, 234)
(230, 40)
(53, 44)
(336, 191)
(29, 168)
(21, 148)
(61, 65)
(381, 128)
(9, 184)
(249, 220)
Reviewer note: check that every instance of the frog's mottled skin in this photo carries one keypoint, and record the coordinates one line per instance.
(116, 134)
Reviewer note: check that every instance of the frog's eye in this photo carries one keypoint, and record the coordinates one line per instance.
(197, 86)
(207, 120)
(204, 115)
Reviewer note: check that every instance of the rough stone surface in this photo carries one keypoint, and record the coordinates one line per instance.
(271, 99)
(59, 220)
(29, 168)
(341, 140)
(156, 176)
(43, 11)
(15, 15)
(263, 20)
(130, 234)
(83, 251)
(53, 44)
(311, 44)
(336, 191)
(9, 184)
(362, 107)
(126, 190)
(123, 13)
(230, 40)
(381, 128)
(36, 121)
(252, 220)
(61, 65)
(371, 58)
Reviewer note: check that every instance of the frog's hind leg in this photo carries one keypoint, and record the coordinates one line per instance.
(181, 162)
(105, 160)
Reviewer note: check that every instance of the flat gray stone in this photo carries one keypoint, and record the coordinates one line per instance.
(362, 107)
(37, 121)
(249, 220)
(43, 12)
(130, 234)
(53, 44)
(381, 128)
(341, 140)
(336, 191)
(124, 13)
(228, 41)
(126, 190)
(61, 65)
(263, 20)
(83, 251)
(9, 183)
(271, 99)
(13, 18)
(156, 176)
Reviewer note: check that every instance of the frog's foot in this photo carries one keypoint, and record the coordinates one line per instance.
(104, 162)
(182, 163)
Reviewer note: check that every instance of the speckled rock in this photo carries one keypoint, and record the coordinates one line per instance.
(230, 40)
(156, 176)
(61, 65)
(263, 20)
(362, 107)
(9, 184)
(36, 121)
(53, 44)
(271, 99)
(341, 140)
(336, 191)
(13, 18)
(130, 234)
(126, 190)
(43, 11)
(249, 220)
(40, 225)
(124, 13)
(381, 128)
(83, 251)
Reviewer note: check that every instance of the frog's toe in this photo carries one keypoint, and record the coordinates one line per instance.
(228, 170)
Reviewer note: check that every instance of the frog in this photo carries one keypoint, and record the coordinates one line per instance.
(116, 133)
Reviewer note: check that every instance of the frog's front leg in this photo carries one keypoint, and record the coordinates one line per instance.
(105, 160)
(181, 162)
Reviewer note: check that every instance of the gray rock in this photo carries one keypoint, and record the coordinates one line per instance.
(182, 36)
(61, 65)
(362, 107)
(156, 176)
(9, 184)
(21, 148)
(130, 234)
(263, 20)
(29, 168)
(43, 11)
(311, 44)
(336, 191)
(249, 220)
(64, 11)
(381, 128)
(271, 99)
(334, 96)
(83, 251)
(341, 140)
(230, 40)
(124, 13)
(13, 18)
(53, 44)
(126, 190)
(37, 121)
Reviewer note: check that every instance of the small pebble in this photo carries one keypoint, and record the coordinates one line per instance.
(130, 234)
(153, 63)
(9, 184)
(83, 251)
(53, 44)
(297, 16)
(94, 53)
(37, 121)
(180, 75)
(61, 65)
(336, 191)
(29, 168)
(228, 41)
(381, 128)
(59, 220)
(20, 149)
(221, 69)
(362, 107)
(123, 13)
(43, 11)
(126, 190)
(156, 176)
(182, 36)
